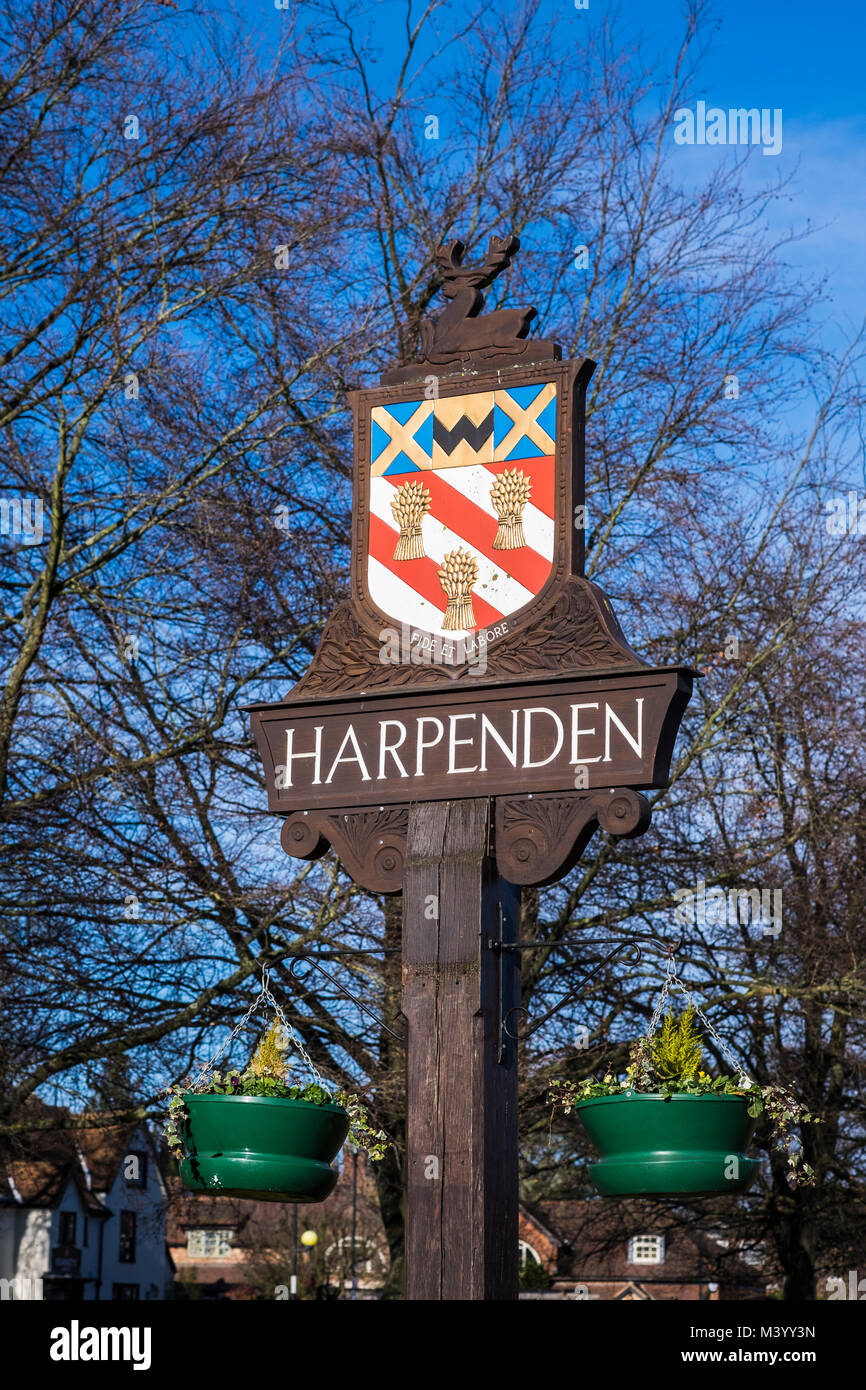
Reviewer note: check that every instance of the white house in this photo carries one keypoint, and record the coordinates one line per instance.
(82, 1215)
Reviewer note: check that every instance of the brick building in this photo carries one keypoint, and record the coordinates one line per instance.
(632, 1250)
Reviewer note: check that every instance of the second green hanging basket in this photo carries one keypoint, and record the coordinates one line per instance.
(680, 1145)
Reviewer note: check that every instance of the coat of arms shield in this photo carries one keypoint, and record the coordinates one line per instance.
(461, 506)
(466, 494)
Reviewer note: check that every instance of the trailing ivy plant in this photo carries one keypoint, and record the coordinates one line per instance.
(671, 1065)
(268, 1074)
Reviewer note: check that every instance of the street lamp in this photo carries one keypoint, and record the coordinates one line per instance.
(308, 1240)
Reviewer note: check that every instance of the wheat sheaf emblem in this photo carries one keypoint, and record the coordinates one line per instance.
(509, 495)
(458, 573)
(409, 505)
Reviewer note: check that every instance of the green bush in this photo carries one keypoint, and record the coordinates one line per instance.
(534, 1276)
(678, 1050)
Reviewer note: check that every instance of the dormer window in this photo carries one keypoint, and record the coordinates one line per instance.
(646, 1250)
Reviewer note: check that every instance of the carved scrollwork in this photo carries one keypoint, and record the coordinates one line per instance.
(539, 838)
(301, 838)
(371, 843)
(624, 813)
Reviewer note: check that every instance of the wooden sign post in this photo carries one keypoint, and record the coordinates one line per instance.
(472, 714)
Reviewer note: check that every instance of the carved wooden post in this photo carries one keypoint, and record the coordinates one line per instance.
(461, 1237)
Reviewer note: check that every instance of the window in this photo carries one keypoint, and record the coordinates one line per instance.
(646, 1250)
(67, 1228)
(527, 1254)
(209, 1244)
(134, 1168)
(126, 1253)
(124, 1293)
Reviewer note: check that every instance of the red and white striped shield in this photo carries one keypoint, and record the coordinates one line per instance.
(462, 490)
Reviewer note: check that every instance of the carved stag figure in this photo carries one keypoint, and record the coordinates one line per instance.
(458, 332)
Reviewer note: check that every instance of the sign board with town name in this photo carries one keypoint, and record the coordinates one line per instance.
(472, 657)
(527, 737)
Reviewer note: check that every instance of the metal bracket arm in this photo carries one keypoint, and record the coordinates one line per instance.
(630, 945)
(314, 965)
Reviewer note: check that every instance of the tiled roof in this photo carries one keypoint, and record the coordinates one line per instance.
(38, 1162)
(36, 1184)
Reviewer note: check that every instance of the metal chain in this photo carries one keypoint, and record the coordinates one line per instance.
(735, 1065)
(293, 1036)
(670, 981)
(670, 978)
(264, 996)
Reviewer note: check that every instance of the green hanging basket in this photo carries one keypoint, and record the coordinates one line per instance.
(269, 1148)
(672, 1146)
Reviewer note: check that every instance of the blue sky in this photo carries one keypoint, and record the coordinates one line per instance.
(807, 59)
(804, 58)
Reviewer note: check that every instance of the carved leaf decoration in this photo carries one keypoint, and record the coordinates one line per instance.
(548, 813)
(360, 828)
(571, 634)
